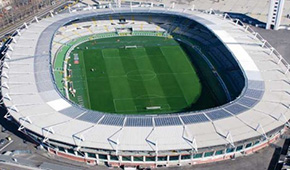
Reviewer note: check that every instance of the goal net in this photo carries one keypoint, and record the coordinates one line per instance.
(131, 46)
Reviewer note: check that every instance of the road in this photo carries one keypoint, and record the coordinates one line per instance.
(18, 24)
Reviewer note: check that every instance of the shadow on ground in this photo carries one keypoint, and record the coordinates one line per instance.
(247, 19)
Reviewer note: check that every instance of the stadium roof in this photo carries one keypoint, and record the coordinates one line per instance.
(33, 100)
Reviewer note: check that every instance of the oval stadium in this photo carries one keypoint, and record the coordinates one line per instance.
(145, 87)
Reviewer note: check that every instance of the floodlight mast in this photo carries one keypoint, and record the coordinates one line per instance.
(275, 14)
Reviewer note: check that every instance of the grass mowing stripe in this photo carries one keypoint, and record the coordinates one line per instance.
(82, 61)
(130, 79)
(77, 77)
(150, 79)
(100, 91)
(167, 81)
(177, 59)
(136, 83)
(118, 82)
(178, 62)
(78, 82)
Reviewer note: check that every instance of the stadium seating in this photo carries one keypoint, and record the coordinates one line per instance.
(63, 125)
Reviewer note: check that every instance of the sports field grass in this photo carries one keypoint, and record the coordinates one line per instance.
(110, 78)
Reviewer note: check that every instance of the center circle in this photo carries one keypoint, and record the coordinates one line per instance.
(141, 75)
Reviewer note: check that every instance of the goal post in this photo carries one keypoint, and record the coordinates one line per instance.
(131, 46)
(153, 108)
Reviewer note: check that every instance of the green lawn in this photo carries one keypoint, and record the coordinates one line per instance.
(110, 78)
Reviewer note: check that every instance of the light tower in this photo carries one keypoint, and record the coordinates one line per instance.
(275, 14)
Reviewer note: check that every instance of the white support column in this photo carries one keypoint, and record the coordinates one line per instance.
(78, 140)
(282, 118)
(226, 135)
(51, 14)
(156, 152)
(271, 50)
(280, 59)
(7, 56)
(6, 96)
(5, 65)
(10, 47)
(210, 11)
(97, 158)
(20, 128)
(5, 85)
(18, 32)
(188, 137)
(25, 119)
(4, 74)
(264, 43)
(192, 7)
(237, 22)
(25, 25)
(119, 3)
(117, 146)
(194, 145)
(45, 139)
(114, 139)
(173, 5)
(46, 132)
(225, 16)
(229, 138)
(14, 40)
(156, 147)
(288, 67)
(36, 19)
(49, 129)
(78, 148)
(260, 127)
(14, 108)
(247, 27)
(7, 115)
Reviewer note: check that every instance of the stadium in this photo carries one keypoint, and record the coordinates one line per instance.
(146, 86)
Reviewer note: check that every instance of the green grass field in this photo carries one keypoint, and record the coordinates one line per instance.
(110, 78)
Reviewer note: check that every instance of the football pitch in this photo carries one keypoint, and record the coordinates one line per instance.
(156, 76)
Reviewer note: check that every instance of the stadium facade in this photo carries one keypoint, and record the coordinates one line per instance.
(250, 122)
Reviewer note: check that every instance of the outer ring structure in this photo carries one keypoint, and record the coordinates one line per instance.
(250, 122)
